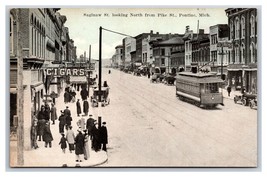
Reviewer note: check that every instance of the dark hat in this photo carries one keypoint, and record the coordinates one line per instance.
(104, 123)
(67, 107)
(62, 112)
(90, 115)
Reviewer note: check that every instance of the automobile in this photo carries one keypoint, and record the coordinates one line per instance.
(104, 99)
(244, 98)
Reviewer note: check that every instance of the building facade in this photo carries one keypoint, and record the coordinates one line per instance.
(35, 38)
(242, 69)
(219, 49)
(201, 51)
(129, 46)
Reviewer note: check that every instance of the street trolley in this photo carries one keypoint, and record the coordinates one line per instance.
(201, 89)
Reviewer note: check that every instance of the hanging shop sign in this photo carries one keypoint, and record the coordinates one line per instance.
(65, 71)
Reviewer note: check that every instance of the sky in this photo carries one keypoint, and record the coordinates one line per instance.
(84, 24)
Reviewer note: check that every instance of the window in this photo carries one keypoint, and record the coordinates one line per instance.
(163, 61)
(252, 53)
(252, 25)
(237, 55)
(242, 53)
(237, 29)
(232, 30)
(163, 52)
(243, 27)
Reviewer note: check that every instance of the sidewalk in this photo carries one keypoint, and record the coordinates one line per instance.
(232, 94)
(54, 157)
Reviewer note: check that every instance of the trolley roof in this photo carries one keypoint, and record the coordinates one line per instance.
(199, 77)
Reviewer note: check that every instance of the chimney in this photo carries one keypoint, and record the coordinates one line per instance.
(157, 33)
(201, 31)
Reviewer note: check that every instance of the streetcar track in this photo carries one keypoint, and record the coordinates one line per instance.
(164, 110)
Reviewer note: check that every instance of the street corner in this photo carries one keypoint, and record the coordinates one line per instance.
(95, 159)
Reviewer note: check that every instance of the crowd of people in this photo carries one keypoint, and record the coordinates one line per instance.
(89, 136)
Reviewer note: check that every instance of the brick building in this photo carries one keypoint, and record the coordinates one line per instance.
(39, 33)
(242, 69)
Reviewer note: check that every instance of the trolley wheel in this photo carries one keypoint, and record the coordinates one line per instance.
(244, 102)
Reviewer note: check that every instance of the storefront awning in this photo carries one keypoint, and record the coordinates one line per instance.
(234, 69)
(250, 69)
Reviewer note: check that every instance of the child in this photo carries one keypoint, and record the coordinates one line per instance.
(63, 143)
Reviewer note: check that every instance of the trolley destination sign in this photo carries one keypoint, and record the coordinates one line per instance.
(65, 71)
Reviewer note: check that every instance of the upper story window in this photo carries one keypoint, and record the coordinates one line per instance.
(252, 25)
(162, 51)
(237, 28)
(243, 28)
(232, 33)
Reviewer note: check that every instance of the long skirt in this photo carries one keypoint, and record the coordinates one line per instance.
(71, 147)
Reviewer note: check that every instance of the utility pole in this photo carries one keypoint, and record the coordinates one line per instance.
(20, 96)
(222, 53)
(89, 66)
(100, 63)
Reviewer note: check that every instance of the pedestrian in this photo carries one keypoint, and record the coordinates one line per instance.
(47, 111)
(229, 90)
(81, 123)
(84, 94)
(148, 75)
(79, 143)
(85, 107)
(89, 125)
(41, 123)
(67, 112)
(34, 132)
(62, 122)
(104, 136)
(47, 137)
(78, 107)
(96, 142)
(53, 113)
(63, 143)
(70, 138)
(86, 146)
(66, 96)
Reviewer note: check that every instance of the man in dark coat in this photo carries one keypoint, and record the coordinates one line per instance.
(47, 136)
(47, 111)
(62, 122)
(66, 97)
(89, 125)
(78, 106)
(84, 94)
(96, 142)
(85, 107)
(79, 145)
(104, 136)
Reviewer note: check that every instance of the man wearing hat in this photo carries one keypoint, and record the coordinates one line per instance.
(62, 122)
(89, 125)
(104, 136)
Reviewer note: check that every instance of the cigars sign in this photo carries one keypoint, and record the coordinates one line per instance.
(65, 71)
